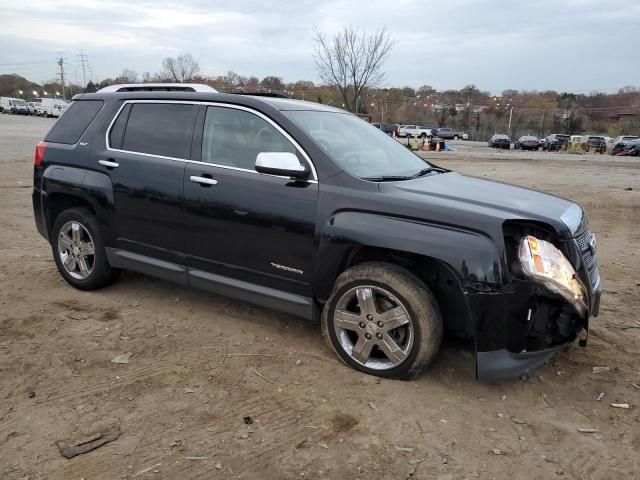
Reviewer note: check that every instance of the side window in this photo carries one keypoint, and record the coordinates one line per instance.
(116, 135)
(233, 138)
(70, 127)
(159, 129)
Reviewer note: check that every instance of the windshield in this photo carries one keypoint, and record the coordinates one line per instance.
(19, 102)
(358, 147)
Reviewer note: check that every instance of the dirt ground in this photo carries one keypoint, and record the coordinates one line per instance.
(201, 363)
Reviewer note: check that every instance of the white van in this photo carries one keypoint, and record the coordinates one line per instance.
(50, 107)
(6, 104)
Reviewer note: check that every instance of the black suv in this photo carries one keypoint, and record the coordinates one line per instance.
(310, 210)
(595, 144)
(555, 142)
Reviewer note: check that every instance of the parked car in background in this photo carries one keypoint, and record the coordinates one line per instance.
(50, 107)
(6, 104)
(527, 142)
(594, 143)
(33, 108)
(19, 107)
(388, 128)
(13, 105)
(555, 142)
(631, 149)
(414, 131)
(451, 134)
(500, 140)
(620, 141)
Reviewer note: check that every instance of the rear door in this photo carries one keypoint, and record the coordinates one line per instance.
(148, 146)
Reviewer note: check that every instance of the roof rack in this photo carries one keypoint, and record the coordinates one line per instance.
(158, 87)
(260, 94)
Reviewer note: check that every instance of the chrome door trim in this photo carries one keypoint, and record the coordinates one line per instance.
(212, 104)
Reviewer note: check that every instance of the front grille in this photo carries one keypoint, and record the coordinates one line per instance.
(589, 257)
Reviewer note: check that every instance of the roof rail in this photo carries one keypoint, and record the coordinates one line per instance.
(260, 94)
(158, 87)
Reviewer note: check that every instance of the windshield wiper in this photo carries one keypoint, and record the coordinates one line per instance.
(388, 178)
(427, 170)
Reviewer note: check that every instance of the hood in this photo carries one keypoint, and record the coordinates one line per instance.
(480, 197)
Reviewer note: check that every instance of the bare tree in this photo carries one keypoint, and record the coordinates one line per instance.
(127, 76)
(352, 61)
(181, 69)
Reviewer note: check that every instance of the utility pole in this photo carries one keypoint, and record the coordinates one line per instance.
(542, 124)
(61, 65)
(510, 115)
(84, 62)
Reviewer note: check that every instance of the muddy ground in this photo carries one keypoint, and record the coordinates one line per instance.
(200, 363)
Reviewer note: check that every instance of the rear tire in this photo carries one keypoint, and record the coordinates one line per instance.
(78, 250)
(382, 320)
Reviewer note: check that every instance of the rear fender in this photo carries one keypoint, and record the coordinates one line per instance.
(93, 188)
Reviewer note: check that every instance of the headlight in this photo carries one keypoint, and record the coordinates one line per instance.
(545, 264)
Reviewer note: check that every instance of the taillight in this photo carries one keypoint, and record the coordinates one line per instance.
(39, 156)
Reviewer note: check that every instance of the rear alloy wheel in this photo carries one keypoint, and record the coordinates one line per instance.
(78, 250)
(382, 320)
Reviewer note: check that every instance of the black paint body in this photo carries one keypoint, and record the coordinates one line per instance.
(450, 229)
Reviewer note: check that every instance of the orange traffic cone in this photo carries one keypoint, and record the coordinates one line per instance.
(425, 145)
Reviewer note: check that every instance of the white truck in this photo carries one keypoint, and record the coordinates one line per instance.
(414, 131)
(50, 107)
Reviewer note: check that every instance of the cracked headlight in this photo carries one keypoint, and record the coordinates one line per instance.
(547, 265)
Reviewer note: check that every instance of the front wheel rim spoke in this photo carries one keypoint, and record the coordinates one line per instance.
(347, 320)
(366, 300)
(362, 350)
(394, 318)
(391, 349)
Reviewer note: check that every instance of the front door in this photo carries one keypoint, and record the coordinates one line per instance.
(242, 224)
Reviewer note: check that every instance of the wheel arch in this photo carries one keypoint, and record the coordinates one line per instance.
(448, 259)
(70, 187)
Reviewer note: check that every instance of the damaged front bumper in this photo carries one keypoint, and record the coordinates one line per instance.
(519, 328)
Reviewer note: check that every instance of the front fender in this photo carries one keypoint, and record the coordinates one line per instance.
(474, 257)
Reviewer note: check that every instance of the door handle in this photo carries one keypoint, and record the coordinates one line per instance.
(203, 181)
(108, 163)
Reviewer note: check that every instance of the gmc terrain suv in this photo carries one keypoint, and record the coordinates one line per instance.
(310, 210)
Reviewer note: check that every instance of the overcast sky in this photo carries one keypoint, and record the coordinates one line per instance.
(576, 45)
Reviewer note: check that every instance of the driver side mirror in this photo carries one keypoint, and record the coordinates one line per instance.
(284, 164)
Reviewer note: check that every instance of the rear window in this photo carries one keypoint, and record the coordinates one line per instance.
(159, 129)
(70, 126)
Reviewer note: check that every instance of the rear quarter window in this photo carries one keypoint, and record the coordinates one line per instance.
(70, 126)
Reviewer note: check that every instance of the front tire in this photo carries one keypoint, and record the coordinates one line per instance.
(382, 320)
(78, 250)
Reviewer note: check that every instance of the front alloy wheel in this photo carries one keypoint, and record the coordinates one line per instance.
(382, 320)
(373, 327)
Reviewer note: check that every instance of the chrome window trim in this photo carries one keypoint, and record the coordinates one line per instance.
(211, 104)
